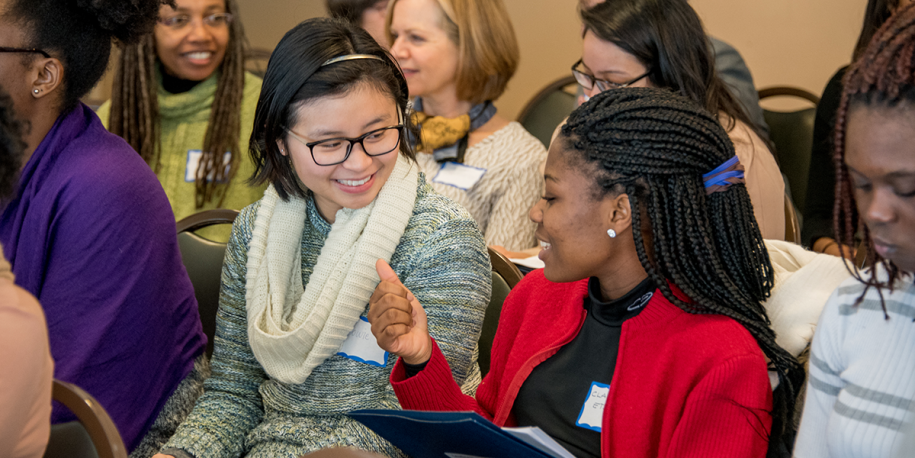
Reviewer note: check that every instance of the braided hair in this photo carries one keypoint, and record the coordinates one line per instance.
(655, 145)
(883, 77)
(135, 110)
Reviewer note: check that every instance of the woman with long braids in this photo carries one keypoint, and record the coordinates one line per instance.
(817, 231)
(183, 100)
(862, 374)
(88, 230)
(661, 43)
(651, 298)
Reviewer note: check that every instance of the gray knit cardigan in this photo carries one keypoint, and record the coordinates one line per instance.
(441, 258)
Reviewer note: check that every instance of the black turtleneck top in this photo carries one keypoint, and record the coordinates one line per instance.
(553, 397)
(176, 85)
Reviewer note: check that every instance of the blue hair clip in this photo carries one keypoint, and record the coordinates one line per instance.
(731, 172)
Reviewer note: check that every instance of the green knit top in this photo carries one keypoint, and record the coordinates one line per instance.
(441, 258)
(183, 120)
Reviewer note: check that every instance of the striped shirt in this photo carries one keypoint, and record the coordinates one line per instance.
(861, 384)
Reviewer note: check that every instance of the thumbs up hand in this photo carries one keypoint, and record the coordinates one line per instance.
(398, 319)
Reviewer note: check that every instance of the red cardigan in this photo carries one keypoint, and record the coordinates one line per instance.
(685, 385)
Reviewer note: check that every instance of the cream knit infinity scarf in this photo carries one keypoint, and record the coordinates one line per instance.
(292, 330)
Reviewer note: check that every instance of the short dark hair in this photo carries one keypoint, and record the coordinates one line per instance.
(349, 10)
(11, 145)
(79, 33)
(295, 75)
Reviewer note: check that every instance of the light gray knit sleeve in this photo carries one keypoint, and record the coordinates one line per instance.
(450, 274)
(231, 405)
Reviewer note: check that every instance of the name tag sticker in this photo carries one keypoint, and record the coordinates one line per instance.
(592, 412)
(360, 345)
(193, 162)
(458, 175)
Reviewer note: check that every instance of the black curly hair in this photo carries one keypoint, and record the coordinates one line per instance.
(11, 145)
(79, 33)
(655, 145)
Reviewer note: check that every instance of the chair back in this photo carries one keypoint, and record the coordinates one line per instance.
(505, 275)
(792, 224)
(792, 134)
(203, 261)
(548, 108)
(93, 435)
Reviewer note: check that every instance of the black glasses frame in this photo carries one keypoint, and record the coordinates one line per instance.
(25, 50)
(352, 141)
(602, 85)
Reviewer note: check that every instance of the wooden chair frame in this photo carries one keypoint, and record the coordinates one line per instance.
(93, 417)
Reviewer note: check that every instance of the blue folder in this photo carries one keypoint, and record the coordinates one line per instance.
(444, 434)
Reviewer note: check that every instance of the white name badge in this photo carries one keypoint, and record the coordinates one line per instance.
(193, 162)
(458, 175)
(592, 412)
(360, 345)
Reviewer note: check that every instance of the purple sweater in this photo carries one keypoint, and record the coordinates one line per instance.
(91, 234)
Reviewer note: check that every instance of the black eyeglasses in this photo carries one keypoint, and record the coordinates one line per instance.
(333, 151)
(589, 81)
(27, 50)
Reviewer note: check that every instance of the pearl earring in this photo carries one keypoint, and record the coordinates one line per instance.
(36, 91)
(611, 233)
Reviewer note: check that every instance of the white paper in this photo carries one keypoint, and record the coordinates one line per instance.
(539, 439)
(360, 345)
(193, 162)
(533, 262)
(592, 411)
(458, 175)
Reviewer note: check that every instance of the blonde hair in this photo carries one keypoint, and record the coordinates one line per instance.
(487, 47)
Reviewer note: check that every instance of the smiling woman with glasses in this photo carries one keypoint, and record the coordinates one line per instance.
(294, 352)
(183, 100)
(661, 43)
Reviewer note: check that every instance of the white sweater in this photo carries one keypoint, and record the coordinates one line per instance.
(862, 375)
(501, 200)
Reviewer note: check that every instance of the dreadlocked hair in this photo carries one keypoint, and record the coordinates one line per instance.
(884, 77)
(655, 145)
(135, 111)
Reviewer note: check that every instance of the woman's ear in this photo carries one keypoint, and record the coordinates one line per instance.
(48, 75)
(617, 212)
(282, 146)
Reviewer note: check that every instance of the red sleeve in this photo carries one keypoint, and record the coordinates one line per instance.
(728, 414)
(434, 388)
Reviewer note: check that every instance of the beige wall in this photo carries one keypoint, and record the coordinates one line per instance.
(785, 42)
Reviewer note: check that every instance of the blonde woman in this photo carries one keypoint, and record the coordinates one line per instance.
(457, 57)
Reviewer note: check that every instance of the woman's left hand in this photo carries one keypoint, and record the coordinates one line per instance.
(397, 318)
